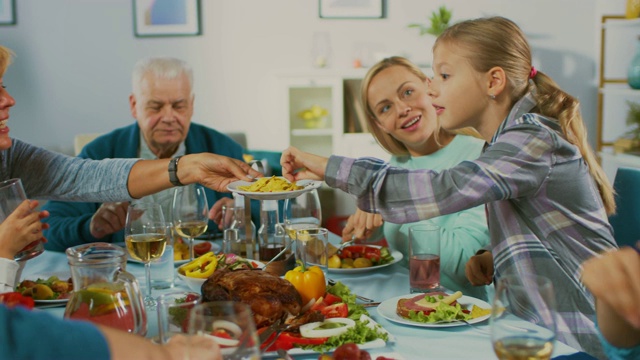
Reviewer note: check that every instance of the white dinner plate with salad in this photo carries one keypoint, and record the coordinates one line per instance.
(307, 185)
(387, 309)
(62, 276)
(397, 256)
(378, 343)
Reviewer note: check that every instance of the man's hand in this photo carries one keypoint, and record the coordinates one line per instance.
(479, 269)
(361, 225)
(215, 213)
(109, 218)
(299, 165)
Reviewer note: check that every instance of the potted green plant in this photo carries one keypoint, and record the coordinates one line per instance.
(438, 22)
(630, 142)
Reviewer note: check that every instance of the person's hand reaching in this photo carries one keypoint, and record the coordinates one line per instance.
(299, 165)
(215, 213)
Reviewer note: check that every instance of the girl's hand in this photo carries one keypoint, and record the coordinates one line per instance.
(21, 228)
(299, 165)
(479, 269)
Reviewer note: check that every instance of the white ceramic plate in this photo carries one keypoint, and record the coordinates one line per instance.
(397, 256)
(214, 247)
(308, 186)
(388, 311)
(378, 343)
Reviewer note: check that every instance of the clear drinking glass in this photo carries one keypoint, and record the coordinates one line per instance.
(523, 317)
(173, 313)
(231, 324)
(424, 258)
(12, 194)
(190, 212)
(311, 247)
(145, 235)
(300, 213)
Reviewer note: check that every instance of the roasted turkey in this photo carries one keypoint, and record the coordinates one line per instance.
(270, 297)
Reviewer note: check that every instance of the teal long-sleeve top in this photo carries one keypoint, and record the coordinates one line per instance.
(69, 221)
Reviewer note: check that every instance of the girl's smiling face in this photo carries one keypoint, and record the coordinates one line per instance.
(6, 101)
(403, 109)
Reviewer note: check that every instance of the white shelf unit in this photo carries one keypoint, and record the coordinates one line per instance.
(618, 45)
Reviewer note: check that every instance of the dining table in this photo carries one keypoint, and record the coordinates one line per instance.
(405, 342)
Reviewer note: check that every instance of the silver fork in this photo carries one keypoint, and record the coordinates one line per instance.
(361, 298)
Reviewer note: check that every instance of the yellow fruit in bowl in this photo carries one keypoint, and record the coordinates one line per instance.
(335, 262)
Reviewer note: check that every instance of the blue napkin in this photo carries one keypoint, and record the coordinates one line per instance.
(575, 356)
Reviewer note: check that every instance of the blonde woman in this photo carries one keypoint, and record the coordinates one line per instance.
(402, 119)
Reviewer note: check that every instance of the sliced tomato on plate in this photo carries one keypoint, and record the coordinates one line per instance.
(287, 341)
(12, 299)
(337, 310)
(331, 299)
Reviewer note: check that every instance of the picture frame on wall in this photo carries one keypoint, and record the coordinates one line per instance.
(152, 18)
(351, 9)
(7, 12)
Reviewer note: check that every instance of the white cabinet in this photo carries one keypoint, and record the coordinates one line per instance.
(336, 91)
(619, 38)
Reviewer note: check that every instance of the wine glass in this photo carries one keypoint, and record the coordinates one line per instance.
(231, 324)
(190, 213)
(145, 234)
(301, 213)
(523, 317)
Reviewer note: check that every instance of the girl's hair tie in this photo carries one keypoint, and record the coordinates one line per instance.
(533, 73)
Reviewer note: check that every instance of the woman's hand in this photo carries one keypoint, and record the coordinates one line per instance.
(299, 165)
(22, 227)
(214, 171)
(479, 269)
(361, 225)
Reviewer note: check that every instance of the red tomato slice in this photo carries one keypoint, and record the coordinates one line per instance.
(201, 248)
(337, 310)
(287, 341)
(318, 305)
(15, 298)
(331, 299)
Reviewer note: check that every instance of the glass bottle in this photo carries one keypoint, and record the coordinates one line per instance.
(633, 75)
(245, 245)
(271, 233)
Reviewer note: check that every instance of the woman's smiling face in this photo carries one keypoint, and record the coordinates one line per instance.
(6, 101)
(402, 107)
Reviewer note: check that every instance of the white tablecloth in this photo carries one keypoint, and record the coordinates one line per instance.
(461, 342)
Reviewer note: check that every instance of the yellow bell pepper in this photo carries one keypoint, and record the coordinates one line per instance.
(202, 267)
(310, 282)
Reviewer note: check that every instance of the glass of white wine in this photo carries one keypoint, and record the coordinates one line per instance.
(146, 238)
(190, 212)
(523, 318)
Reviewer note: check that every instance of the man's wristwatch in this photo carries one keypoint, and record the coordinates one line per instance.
(173, 171)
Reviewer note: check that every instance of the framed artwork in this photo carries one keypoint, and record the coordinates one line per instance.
(351, 9)
(166, 18)
(7, 12)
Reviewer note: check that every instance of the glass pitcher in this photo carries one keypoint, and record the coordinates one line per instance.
(104, 293)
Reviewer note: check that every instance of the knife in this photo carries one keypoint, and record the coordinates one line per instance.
(265, 335)
(285, 355)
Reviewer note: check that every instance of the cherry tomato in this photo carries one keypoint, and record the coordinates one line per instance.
(201, 248)
(335, 311)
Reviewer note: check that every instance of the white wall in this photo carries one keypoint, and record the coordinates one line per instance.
(74, 57)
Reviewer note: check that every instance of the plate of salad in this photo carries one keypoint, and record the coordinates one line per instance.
(351, 324)
(356, 259)
(466, 308)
